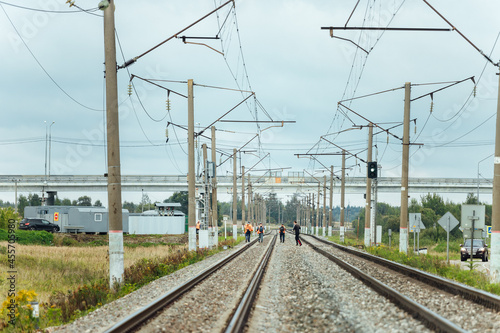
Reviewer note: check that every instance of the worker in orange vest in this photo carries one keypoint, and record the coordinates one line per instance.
(198, 227)
(248, 230)
(282, 233)
(260, 232)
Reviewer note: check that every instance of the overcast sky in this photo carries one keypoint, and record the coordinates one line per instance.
(274, 48)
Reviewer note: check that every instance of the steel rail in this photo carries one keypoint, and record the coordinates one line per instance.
(478, 296)
(240, 316)
(420, 312)
(141, 316)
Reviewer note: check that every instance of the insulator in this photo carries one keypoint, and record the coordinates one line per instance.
(387, 138)
(432, 106)
(130, 89)
(168, 104)
(415, 129)
(474, 91)
(166, 133)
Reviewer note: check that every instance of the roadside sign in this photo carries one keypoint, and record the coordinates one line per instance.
(473, 213)
(478, 234)
(488, 230)
(448, 219)
(415, 222)
(56, 216)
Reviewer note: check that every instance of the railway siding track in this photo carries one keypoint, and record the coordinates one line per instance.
(478, 296)
(242, 312)
(430, 318)
(141, 316)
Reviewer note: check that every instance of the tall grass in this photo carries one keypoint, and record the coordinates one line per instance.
(71, 281)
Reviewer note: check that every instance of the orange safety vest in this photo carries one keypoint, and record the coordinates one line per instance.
(198, 225)
(248, 227)
(258, 230)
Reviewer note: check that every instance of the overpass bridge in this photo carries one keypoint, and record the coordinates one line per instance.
(287, 185)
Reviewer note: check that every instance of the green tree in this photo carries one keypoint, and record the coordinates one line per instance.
(130, 206)
(98, 203)
(5, 215)
(84, 201)
(34, 200)
(180, 197)
(66, 202)
(22, 202)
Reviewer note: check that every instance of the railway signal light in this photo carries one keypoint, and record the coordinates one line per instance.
(372, 170)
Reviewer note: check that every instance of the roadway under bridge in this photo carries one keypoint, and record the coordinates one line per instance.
(288, 185)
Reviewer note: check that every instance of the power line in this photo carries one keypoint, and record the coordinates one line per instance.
(41, 66)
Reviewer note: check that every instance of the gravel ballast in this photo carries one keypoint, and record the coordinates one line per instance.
(467, 314)
(303, 291)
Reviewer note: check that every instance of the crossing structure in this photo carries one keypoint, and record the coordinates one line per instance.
(283, 184)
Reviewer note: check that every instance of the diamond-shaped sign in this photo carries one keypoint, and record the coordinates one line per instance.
(448, 222)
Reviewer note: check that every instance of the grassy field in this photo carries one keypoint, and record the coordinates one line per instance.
(68, 275)
(46, 269)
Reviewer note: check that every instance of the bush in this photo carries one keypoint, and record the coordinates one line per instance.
(30, 237)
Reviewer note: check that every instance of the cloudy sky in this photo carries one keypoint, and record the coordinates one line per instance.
(52, 70)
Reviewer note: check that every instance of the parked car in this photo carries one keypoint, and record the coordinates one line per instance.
(479, 249)
(38, 224)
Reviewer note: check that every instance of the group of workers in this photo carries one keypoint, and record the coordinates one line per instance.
(282, 230)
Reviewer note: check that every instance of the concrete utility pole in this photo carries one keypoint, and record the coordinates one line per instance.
(308, 213)
(250, 208)
(324, 205)
(317, 209)
(243, 215)
(342, 198)
(115, 231)
(403, 223)
(206, 185)
(15, 196)
(330, 213)
(495, 217)
(235, 190)
(191, 173)
(368, 226)
(215, 214)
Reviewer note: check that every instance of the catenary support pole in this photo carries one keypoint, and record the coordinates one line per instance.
(15, 196)
(243, 213)
(342, 198)
(330, 210)
(215, 215)
(324, 206)
(317, 209)
(495, 218)
(403, 223)
(368, 226)
(115, 233)
(235, 193)
(191, 172)
(250, 203)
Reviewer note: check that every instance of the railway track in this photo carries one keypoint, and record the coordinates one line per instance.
(429, 298)
(141, 319)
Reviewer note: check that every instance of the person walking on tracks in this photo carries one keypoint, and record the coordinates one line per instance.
(282, 233)
(198, 227)
(296, 229)
(260, 232)
(248, 230)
